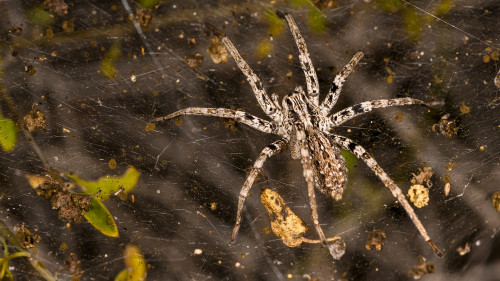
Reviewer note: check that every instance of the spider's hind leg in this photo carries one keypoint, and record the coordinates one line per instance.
(361, 153)
(269, 151)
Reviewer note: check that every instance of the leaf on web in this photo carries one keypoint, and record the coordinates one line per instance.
(100, 218)
(8, 134)
(107, 185)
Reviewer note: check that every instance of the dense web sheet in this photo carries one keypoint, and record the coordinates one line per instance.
(100, 71)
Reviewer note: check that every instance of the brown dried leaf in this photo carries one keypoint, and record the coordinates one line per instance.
(284, 223)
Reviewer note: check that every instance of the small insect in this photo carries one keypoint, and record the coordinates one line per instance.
(304, 125)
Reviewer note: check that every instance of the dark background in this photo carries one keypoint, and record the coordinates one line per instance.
(186, 168)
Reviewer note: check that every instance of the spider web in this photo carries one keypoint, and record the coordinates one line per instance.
(192, 171)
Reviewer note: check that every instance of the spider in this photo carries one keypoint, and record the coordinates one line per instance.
(304, 125)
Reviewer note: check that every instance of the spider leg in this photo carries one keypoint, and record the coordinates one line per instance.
(263, 99)
(308, 172)
(338, 82)
(270, 150)
(237, 115)
(360, 108)
(361, 153)
(305, 61)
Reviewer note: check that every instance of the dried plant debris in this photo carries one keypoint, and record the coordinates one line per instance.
(419, 195)
(375, 240)
(29, 69)
(72, 206)
(290, 227)
(449, 166)
(194, 61)
(284, 223)
(423, 177)
(447, 189)
(447, 185)
(496, 200)
(497, 80)
(422, 268)
(464, 250)
(34, 120)
(56, 6)
(445, 127)
(218, 53)
(26, 237)
(143, 16)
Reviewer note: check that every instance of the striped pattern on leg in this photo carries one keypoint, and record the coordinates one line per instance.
(364, 107)
(260, 93)
(305, 61)
(237, 115)
(338, 83)
(361, 153)
(269, 151)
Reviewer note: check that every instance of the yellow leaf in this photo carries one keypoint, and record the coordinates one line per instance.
(122, 276)
(135, 263)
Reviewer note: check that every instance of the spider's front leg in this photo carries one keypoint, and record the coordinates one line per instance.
(361, 153)
(305, 61)
(337, 84)
(348, 113)
(269, 151)
(263, 99)
(237, 115)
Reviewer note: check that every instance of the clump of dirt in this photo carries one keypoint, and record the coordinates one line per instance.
(27, 238)
(72, 206)
(375, 240)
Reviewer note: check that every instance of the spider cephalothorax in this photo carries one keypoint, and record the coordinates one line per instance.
(330, 172)
(305, 125)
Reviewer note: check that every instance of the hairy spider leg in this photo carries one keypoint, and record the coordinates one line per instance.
(263, 99)
(305, 61)
(361, 153)
(269, 151)
(337, 84)
(364, 107)
(237, 115)
(308, 172)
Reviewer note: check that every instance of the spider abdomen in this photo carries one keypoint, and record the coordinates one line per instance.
(330, 168)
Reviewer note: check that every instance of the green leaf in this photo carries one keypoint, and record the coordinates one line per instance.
(350, 161)
(107, 185)
(40, 17)
(148, 4)
(276, 24)
(264, 48)
(8, 134)
(108, 67)
(413, 23)
(99, 216)
(391, 5)
(317, 21)
(444, 7)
